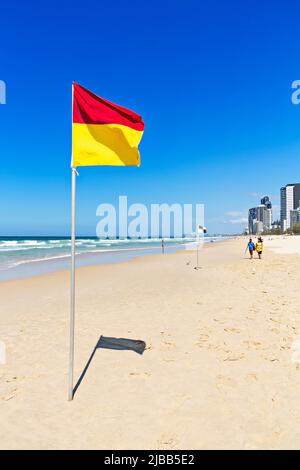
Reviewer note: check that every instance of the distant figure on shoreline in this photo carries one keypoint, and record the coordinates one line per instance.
(251, 247)
(259, 247)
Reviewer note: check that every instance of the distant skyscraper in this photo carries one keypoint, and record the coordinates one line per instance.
(289, 201)
(266, 202)
(258, 227)
(251, 220)
(267, 216)
(295, 217)
(260, 217)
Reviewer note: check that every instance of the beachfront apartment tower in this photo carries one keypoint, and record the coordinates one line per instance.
(267, 213)
(266, 202)
(258, 227)
(264, 215)
(260, 217)
(251, 220)
(295, 217)
(289, 201)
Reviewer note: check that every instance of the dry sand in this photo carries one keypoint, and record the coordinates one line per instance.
(217, 372)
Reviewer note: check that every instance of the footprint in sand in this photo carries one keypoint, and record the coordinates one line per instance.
(222, 322)
(166, 343)
(275, 330)
(271, 359)
(251, 377)
(202, 341)
(254, 345)
(223, 380)
(275, 321)
(11, 396)
(139, 374)
(11, 380)
(167, 442)
(9, 389)
(10, 393)
(233, 357)
(232, 330)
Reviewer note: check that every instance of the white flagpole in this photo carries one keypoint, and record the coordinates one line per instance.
(72, 280)
(200, 232)
(72, 303)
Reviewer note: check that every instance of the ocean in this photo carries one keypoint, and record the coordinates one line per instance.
(29, 256)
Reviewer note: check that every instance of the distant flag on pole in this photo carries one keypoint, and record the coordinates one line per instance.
(103, 133)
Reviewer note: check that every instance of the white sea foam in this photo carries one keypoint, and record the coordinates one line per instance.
(14, 253)
(8, 243)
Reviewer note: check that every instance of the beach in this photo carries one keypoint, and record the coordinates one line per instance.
(217, 371)
(23, 257)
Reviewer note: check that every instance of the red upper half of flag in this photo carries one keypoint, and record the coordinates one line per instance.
(89, 108)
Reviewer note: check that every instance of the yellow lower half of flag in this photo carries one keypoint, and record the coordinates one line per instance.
(105, 144)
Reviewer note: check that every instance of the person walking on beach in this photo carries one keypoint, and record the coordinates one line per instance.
(259, 247)
(251, 248)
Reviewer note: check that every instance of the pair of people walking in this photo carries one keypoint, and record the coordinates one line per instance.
(258, 247)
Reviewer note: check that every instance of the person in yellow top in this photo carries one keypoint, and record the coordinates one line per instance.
(259, 247)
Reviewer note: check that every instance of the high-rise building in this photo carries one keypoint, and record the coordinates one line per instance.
(258, 227)
(295, 217)
(251, 220)
(267, 215)
(268, 219)
(260, 217)
(289, 201)
(266, 202)
(260, 213)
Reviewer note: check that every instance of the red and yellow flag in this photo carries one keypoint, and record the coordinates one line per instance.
(103, 133)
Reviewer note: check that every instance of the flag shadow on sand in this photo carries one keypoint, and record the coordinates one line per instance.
(119, 344)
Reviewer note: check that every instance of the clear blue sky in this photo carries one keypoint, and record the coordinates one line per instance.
(212, 81)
